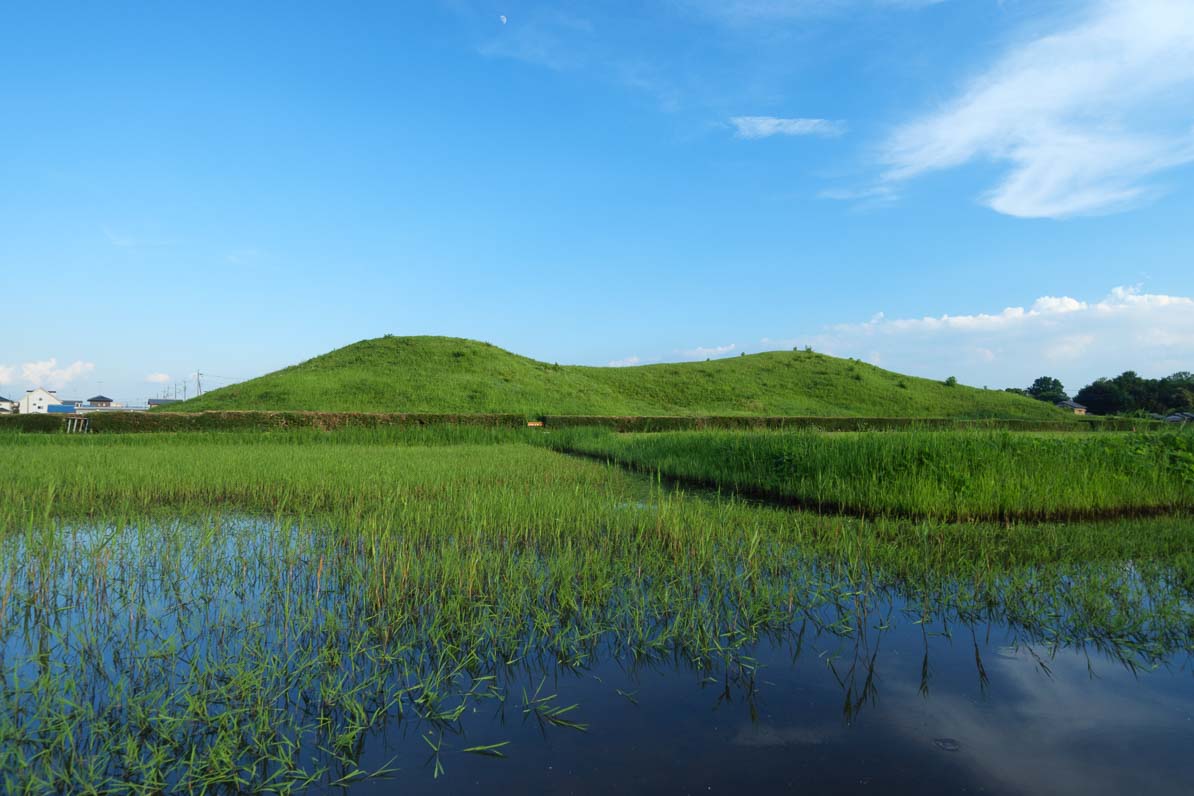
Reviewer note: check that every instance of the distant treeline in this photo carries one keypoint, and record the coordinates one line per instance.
(1126, 394)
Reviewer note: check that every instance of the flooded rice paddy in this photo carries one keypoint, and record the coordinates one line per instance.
(227, 652)
(442, 610)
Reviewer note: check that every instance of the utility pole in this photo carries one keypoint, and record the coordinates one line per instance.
(198, 383)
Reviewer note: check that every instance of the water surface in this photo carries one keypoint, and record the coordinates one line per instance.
(201, 651)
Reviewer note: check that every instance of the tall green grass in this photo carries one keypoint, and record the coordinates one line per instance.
(486, 481)
(934, 474)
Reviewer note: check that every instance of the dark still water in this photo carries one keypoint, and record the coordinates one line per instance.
(227, 656)
(904, 709)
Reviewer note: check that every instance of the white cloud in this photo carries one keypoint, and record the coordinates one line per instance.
(624, 363)
(767, 126)
(985, 354)
(47, 373)
(158, 378)
(1072, 339)
(7, 375)
(1047, 304)
(1081, 116)
(701, 352)
(1069, 347)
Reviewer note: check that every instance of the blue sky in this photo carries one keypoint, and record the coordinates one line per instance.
(992, 190)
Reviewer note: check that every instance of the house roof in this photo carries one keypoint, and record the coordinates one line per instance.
(1070, 405)
(98, 398)
(5, 400)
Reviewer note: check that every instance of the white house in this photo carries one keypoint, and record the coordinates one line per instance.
(7, 406)
(38, 401)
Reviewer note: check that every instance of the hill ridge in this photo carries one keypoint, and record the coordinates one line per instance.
(457, 375)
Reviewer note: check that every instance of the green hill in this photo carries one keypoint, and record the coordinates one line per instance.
(447, 374)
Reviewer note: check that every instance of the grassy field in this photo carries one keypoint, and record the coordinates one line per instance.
(504, 481)
(950, 475)
(938, 474)
(221, 612)
(444, 374)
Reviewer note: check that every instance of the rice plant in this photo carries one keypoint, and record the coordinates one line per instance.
(951, 475)
(232, 613)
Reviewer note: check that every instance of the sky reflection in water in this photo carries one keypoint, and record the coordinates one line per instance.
(862, 690)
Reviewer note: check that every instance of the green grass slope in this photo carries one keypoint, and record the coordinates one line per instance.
(447, 374)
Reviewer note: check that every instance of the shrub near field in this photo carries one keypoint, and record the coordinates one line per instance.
(939, 474)
(446, 374)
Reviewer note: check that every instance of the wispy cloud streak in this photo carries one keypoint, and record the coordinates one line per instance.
(767, 126)
(1082, 117)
